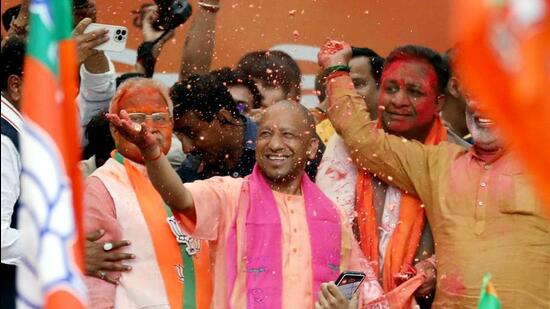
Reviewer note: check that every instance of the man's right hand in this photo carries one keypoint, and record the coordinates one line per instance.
(85, 42)
(138, 134)
(99, 261)
(334, 53)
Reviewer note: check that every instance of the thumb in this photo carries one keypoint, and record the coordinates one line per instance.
(82, 25)
(95, 235)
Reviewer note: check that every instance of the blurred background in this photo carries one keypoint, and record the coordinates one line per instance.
(296, 27)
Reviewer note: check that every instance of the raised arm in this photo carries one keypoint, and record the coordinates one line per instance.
(398, 161)
(163, 177)
(198, 49)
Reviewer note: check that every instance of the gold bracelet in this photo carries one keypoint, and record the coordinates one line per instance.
(212, 8)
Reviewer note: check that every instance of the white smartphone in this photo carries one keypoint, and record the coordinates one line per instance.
(349, 281)
(118, 35)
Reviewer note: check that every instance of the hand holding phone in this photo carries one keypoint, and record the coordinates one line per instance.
(118, 35)
(349, 281)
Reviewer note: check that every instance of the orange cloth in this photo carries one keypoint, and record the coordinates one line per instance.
(484, 215)
(503, 60)
(168, 252)
(406, 236)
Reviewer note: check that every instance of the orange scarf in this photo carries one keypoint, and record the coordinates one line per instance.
(406, 236)
(197, 290)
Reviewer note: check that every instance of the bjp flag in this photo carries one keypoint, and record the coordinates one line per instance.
(49, 275)
(488, 298)
(504, 60)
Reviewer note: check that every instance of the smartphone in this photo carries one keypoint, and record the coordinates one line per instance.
(118, 35)
(349, 281)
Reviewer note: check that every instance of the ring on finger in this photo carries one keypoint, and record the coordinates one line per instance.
(101, 274)
(108, 246)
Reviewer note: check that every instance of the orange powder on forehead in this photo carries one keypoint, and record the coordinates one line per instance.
(136, 91)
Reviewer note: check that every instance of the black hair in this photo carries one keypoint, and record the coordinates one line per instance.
(126, 76)
(203, 94)
(273, 68)
(450, 57)
(13, 54)
(231, 77)
(9, 15)
(420, 52)
(100, 140)
(376, 61)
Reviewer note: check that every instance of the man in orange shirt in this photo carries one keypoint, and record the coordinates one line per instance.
(278, 238)
(483, 212)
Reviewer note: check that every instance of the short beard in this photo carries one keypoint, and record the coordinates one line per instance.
(485, 138)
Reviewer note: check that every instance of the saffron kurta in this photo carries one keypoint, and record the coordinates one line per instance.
(485, 216)
(216, 202)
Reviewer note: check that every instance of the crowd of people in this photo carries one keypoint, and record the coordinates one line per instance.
(222, 191)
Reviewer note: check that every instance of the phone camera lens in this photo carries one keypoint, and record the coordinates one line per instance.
(119, 37)
(123, 32)
(118, 31)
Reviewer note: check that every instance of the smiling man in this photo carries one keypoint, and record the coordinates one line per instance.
(411, 93)
(277, 236)
(483, 212)
(120, 199)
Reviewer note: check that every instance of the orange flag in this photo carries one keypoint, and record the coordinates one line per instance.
(504, 60)
(49, 275)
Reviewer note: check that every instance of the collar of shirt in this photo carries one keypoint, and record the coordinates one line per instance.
(485, 157)
(11, 114)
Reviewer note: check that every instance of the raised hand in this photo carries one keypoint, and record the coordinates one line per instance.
(139, 135)
(334, 53)
(85, 42)
(150, 34)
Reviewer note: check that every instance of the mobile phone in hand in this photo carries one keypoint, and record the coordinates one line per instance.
(118, 35)
(349, 281)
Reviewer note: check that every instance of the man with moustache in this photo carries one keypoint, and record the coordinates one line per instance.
(170, 269)
(278, 238)
(483, 212)
(390, 224)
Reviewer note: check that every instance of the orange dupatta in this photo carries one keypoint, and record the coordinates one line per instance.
(167, 250)
(406, 236)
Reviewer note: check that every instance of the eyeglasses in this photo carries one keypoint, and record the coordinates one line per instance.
(160, 119)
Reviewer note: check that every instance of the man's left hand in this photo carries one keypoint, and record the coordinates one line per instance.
(430, 271)
(330, 296)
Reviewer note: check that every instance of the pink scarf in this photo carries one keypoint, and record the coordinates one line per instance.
(263, 247)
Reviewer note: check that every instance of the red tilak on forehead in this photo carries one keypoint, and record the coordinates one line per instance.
(431, 76)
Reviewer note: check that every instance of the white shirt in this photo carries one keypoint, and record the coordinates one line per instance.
(96, 92)
(10, 182)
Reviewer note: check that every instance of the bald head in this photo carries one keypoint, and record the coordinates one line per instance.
(286, 141)
(285, 107)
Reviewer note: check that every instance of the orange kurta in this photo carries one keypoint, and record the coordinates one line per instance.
(216, 201)
(484, 216)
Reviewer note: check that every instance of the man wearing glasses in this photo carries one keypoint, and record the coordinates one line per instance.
(120, 199)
